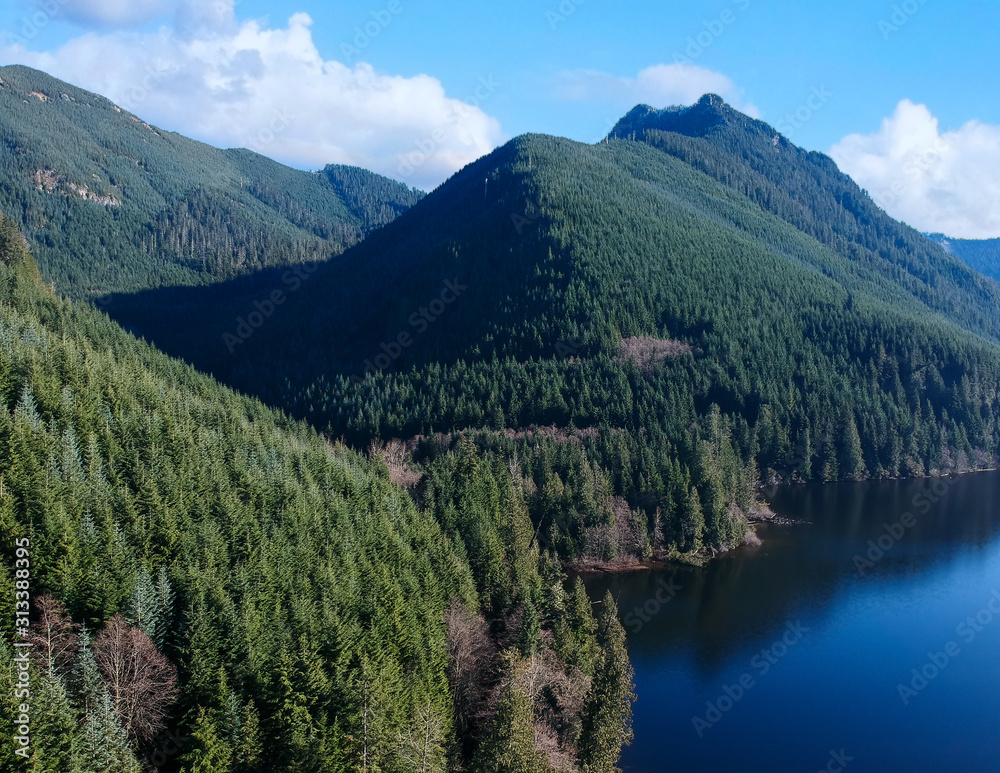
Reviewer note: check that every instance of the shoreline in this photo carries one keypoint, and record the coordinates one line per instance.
(782, 483)
(762, 515)
(701, 558)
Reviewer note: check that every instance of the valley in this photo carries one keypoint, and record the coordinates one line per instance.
(339, 459)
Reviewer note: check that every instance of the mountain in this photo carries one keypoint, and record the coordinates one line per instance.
(807, 190)
(643, 340)
(203, 568)
(567, 353)
(110, 203)
(981, 254)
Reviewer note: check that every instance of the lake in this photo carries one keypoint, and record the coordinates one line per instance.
(867, 639)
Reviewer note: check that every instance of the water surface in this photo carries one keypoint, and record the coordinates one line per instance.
(790, 656)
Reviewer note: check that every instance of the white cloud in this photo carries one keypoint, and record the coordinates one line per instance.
(246, 85)
(945, 182)
(661, 85)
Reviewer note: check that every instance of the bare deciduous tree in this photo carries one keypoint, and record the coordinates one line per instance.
(647, 352)
(142, 683)
(630, 532)
(557, 695)
(421, 741)
(398, 460)
(600, 544)
(54, 637)
(560, 759)
(472, 667)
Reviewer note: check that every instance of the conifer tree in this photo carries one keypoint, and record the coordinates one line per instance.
(164, 599)
(509, 743)
(210, 753)
(103, 746)
(693, 521)
(529, 634)
(607, 711)
(8, 760)
(580, 617)
(854, 463)
(53, 726)
(143, 607)
(86, 687)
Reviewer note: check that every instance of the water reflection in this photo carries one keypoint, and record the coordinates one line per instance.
(745, 597)
(880, 572)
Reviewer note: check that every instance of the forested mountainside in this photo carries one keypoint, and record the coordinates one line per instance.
(981, 254)
(646, 342)
(807, 190)
(110, 203)
(212, 586)
(566, 354)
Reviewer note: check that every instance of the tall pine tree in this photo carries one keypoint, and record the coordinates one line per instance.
(607, 712)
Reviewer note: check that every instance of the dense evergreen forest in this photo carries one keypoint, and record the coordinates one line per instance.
(644, 341)
(110, 203)
(566, 356)
(212, 586)
(807, 190)
(981, 254)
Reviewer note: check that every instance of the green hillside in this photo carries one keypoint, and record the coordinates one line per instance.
(567, 353)
(981, 254)
(110, 203)
(682, 341)
(276, 601)
(807, 190)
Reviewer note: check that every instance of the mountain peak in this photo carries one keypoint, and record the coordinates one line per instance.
(697, 120)
(712, 100)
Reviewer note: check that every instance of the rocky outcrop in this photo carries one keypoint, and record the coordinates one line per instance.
(50, 181)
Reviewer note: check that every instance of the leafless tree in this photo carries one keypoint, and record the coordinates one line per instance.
(54, 637)
(648, 353)
(421, 741)
(600, 544)
(472, 667)
(557, 695)
(141, 681)
(630, 531)
(658, 538)
(398, 460)
(561, 760)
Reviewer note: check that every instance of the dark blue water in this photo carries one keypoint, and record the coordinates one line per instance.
(791, 656)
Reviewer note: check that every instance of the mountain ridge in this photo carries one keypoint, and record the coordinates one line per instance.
(111, 203)
(983, 255)
(806, 189)
(681, 342)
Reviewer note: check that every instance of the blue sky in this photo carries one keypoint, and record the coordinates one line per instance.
(775, 51)
(901, 81)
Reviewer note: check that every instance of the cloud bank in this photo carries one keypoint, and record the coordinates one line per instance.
(243, 84)
(940, 182)
(661, 85)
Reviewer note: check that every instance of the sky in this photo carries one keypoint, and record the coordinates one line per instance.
(900, 93)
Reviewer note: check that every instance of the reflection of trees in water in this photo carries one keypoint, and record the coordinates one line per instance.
(743, 601)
